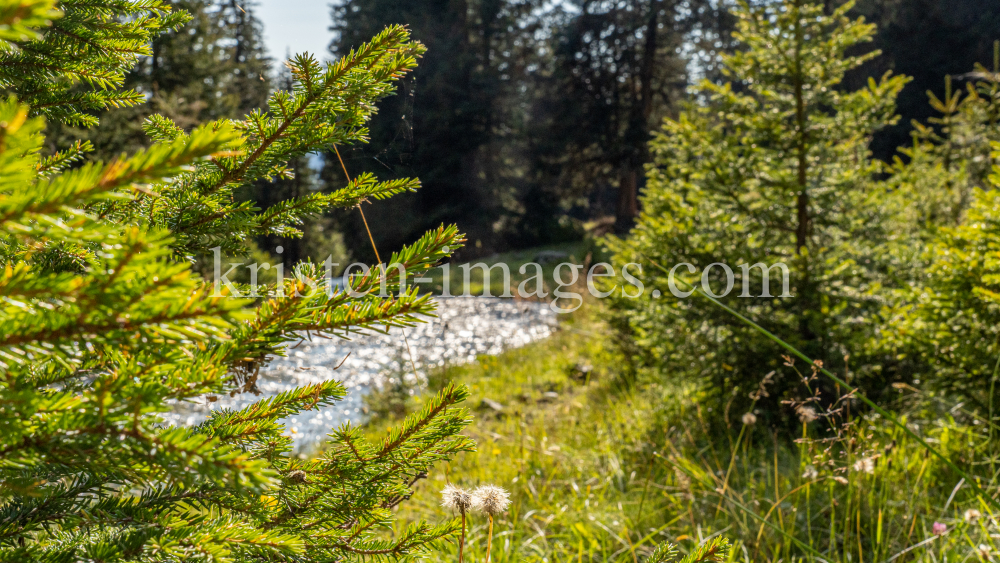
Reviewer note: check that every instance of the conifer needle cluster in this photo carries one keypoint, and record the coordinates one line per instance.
(103, 323)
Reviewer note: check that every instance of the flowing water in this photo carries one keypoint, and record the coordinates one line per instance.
(465, 327)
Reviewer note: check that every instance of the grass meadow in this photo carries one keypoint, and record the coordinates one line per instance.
(603, 466)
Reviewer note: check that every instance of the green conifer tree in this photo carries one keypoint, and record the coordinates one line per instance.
(772, 167)
(951, 154)
(213, 66)
(102, 322)
(946, 323)
(460, 126)
(320, 238)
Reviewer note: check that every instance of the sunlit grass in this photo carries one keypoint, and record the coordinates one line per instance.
(603, 471)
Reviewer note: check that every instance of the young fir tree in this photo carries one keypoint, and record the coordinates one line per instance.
(102, 322)
(947, 322)
(772, 167)
(951, 153)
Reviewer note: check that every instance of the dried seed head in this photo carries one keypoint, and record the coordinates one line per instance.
(865, 465)
(806, 414)
(810, 473)
(682, 479)
(749, 419)
(971, 515)
(456, 498)
(298, 476)
(490, 500)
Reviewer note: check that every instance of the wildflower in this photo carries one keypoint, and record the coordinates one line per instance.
(840, 480)
(971, 515)
(939, 529)
(491, 500)
(810, 472)
(865, 465)
(749, 419)
(457, 498)
(806, 414)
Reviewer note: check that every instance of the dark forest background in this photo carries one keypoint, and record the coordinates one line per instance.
(527, 121)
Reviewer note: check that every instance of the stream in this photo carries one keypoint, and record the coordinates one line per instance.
(465, 327)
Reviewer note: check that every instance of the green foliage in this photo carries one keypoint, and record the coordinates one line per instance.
(86, 41)
(664, 553)
(103, 325)
(713, 550)
(771, 168)
(950, 320)
(327, 106)
(212, 67)
(21, 20)
(951, 154)
(942, 325)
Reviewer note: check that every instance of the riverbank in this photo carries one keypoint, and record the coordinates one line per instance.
(601, 468)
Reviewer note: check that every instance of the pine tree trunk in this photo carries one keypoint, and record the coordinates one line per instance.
(642, 109)
(628, 200)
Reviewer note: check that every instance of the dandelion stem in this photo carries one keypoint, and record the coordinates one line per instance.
(461, 539)
(489, 540)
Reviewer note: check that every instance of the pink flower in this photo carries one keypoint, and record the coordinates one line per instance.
(939, 529)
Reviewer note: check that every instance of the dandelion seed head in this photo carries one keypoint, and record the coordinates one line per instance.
(749, 419)
(971, 515)
(865, 465)
(456, 498)
(490, 499)
(806, 414)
